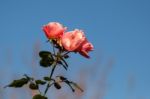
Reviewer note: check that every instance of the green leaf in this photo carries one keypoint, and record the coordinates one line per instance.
(18, 83)
(46, 62)
(57, 85)
(40, 82)
(38, 96)
(33, 86)
(45, 54)
(47, 78)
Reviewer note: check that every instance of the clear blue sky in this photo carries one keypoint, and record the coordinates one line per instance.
(118, 29)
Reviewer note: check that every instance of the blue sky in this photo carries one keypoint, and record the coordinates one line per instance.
(118, 29)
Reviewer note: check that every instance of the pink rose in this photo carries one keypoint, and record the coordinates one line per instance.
(77, 42)
(84, 48)
(54, 30)
(72, 40)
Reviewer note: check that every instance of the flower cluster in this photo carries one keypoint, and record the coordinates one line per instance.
(62, 43)
(74, 41)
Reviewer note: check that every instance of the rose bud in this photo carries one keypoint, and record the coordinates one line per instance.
(54, 30)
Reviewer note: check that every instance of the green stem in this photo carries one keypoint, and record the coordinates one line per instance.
(53, 69)
(49, 85)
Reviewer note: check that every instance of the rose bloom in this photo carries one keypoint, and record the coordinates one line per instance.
(54, 30)
(72, 40)
(77, 42)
